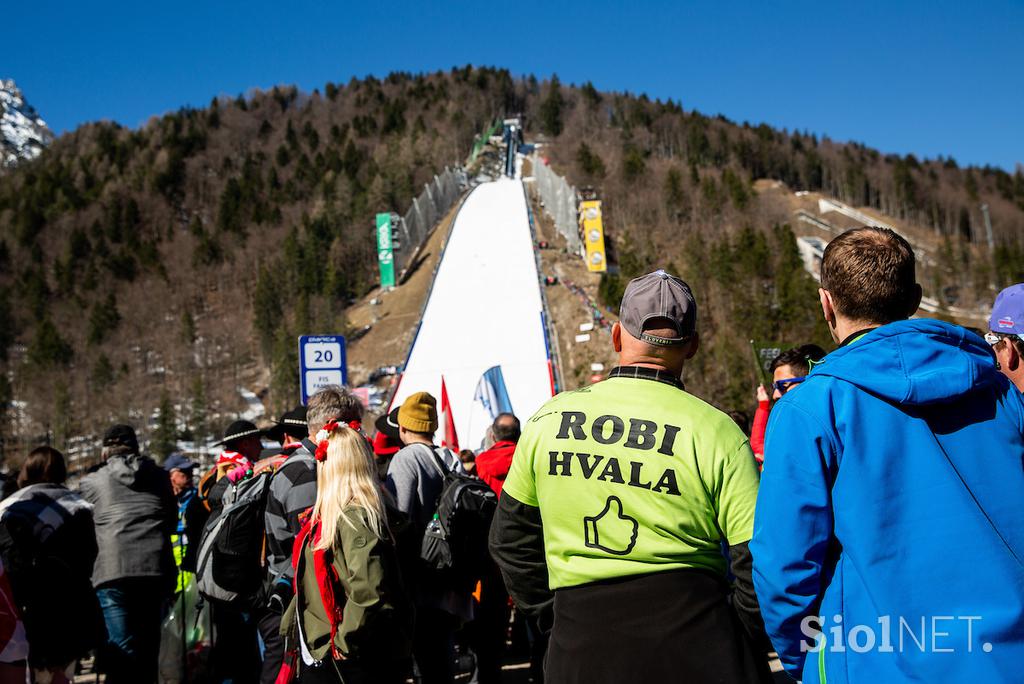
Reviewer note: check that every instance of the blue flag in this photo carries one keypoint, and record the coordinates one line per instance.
(491, 393)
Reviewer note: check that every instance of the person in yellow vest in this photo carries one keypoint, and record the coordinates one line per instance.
(616, 512)
(192, 517)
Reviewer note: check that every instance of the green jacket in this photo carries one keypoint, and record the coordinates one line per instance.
(377, 614)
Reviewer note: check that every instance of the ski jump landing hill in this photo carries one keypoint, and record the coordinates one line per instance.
(485, 309)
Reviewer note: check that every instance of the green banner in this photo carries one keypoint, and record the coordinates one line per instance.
(385, 252)
(481, 142)
(764, 354)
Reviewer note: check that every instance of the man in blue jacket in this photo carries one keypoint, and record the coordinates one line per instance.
(889, 532)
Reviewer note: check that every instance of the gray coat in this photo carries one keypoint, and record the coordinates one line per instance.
(135, 513)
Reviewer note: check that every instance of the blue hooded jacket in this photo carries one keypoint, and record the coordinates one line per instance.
(892, 506)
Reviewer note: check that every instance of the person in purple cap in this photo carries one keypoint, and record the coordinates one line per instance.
(1006, 333)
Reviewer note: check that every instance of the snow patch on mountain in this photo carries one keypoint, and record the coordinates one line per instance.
(23, 133)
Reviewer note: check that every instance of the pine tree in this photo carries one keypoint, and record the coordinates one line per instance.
(282, 157)
(610, 290)
(165, 436)
(229, 209)
(284, 372)
(311, 136)
(290, 137)
(971, 185)
(188, 327)
(589, 162)
(102, 373)
(266, 310)
(303, 315)
(207, 250)
(103, 320)
(633, 164)
(736, 188)
(674, 195)
(551, 109)
(49, 348)
(795, 289)
(197, 413)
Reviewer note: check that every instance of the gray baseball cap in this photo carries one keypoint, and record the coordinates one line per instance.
(659, 295)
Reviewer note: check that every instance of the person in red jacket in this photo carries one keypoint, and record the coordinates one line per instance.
(788, 370)
(492, 465)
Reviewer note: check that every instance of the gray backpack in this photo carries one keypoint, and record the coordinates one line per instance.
(230, 564)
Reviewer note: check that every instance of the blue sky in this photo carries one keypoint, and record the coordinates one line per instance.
(927, 78)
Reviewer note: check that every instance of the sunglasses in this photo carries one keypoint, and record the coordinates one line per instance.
(994, 338)
(786, 384)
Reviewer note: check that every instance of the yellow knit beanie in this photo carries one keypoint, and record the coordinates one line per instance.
(419, 413)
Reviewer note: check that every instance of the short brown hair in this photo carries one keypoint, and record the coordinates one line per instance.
(870, 273)
(43, 464)
(332, 402)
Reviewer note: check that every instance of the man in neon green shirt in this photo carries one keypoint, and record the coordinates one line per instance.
(617, 508)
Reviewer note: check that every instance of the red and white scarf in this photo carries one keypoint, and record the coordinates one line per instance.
(234, 458)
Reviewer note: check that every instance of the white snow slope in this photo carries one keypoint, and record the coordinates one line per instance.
(484, 310)
(23, 134)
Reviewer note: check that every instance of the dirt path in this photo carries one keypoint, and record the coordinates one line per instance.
(396, 314)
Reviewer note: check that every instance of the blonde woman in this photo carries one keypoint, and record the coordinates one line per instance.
(350, 618)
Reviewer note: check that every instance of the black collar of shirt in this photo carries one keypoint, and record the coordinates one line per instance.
(854, 336)
(644, 373)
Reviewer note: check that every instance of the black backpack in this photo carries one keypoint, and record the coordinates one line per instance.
(455, 541)
(229, 566)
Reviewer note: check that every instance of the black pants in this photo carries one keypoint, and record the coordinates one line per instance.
(235, 656)
(269, 624)
(433, 646)
(538, 650)
(489, 628)
(673, 626)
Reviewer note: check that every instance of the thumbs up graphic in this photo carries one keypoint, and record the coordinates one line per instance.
(611, 530)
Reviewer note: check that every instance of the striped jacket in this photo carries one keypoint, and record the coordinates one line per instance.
(292, 492)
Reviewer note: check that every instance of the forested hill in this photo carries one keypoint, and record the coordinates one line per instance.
(180, 260)
(173, 263)
(678, 188)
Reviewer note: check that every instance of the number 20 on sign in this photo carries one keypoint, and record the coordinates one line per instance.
(321, 363)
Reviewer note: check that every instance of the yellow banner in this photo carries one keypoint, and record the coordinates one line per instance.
(593, 235)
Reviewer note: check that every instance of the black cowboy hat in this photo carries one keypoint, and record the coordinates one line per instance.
(388, 424)
(291, 422)
(240, 429)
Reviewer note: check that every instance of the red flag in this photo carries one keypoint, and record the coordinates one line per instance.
(450, 440)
